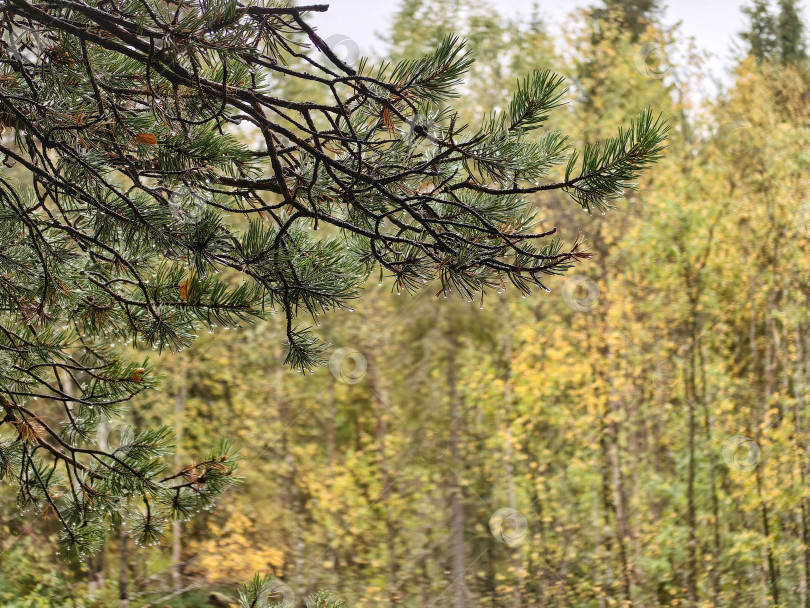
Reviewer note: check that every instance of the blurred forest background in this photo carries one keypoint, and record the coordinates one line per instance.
(638, 437)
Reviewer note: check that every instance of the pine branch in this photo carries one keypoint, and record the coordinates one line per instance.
(146, 218)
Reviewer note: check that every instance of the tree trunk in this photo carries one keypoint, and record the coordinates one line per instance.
(177, 527)
(95, 571)
(613, 415)
(292, 491)
(123, 569)
(769, 369)
(331, 449)
(508, 463)
(456, 504)
(799, 384)
(691, 518)
(381, 403)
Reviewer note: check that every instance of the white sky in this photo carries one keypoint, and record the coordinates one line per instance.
(713, 24)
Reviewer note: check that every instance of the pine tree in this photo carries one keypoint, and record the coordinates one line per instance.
(633, 16)
(791, 33)
(141, 217)
(761, 34)
(775, 37)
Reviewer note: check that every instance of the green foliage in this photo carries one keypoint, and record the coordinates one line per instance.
(159, 183)
(631, 16)
(775, 37)
(434, 78)
(608, 169)
(792, 47)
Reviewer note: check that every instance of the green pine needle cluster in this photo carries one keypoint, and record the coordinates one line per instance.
(161, 183)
